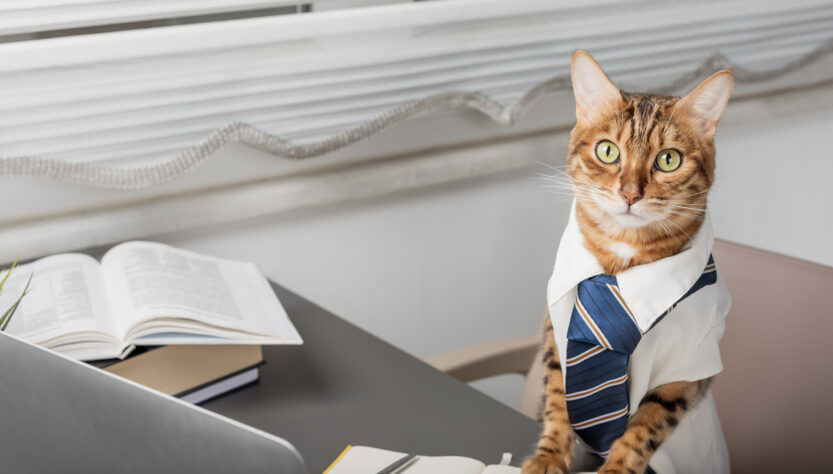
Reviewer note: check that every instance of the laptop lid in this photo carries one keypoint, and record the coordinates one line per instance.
(58, 415)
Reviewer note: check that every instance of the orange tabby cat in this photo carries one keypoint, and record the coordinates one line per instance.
(640, 167)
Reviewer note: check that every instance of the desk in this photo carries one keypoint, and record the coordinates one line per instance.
(345, 386)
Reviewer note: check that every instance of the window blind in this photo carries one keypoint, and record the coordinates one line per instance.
(136, 107)
(18, 17)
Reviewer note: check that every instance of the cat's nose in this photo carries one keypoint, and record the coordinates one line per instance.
(629, 196)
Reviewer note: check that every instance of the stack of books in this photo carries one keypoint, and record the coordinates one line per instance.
(192, 325)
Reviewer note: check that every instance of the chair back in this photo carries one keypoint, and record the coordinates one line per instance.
(773, 394)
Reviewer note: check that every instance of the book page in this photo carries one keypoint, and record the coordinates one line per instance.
(363, 459)
(66, 297)
(160, 287)
(497, 469)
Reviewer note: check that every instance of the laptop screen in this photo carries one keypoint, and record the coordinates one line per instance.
(60, 415)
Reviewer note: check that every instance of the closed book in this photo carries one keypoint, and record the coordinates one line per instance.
(185, 370)
(221, 387)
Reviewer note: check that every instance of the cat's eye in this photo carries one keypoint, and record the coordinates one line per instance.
(668, 160)
(607, 152)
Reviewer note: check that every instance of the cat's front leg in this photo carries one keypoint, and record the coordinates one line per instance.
(659, 412)
(554, 451)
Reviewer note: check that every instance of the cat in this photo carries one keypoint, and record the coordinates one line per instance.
(639, 167)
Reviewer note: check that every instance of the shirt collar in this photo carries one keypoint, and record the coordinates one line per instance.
(650, 289)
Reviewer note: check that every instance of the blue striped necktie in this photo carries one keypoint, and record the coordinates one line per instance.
(600, 339)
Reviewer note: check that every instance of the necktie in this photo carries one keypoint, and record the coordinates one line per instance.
(600, 339)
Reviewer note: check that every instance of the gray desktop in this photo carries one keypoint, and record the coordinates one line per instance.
(58, 415)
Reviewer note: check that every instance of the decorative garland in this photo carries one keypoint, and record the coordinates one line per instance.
(239, 132)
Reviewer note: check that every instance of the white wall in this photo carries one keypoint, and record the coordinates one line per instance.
(457, 264)
(774, 186)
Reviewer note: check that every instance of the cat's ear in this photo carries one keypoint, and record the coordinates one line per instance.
(594, 92)
(706, 102)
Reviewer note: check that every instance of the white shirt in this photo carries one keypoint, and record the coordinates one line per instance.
(682, 346)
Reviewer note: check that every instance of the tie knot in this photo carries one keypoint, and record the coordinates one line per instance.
(601, 316)
(604, 280)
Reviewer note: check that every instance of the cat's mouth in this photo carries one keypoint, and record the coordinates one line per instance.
(620, 214)
(629, 218)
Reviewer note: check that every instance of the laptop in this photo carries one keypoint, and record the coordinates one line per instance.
(58, 415)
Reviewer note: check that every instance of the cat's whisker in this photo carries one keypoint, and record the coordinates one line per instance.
(686, 214)
(688, 202)
(552, 167)
(695, 194)
(561, 199)
(551, 185)
(686, 208)
(588, 184)
(587, 196)
(567, 187)
(712, 207)
(570, 186)
(556, 179)
(564, 176)
(589, 191)
(669, 232)
(679, 227)
(579, 189)
(683, 208)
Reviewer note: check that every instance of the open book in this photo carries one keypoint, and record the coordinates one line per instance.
(144, 293)
(363, 460)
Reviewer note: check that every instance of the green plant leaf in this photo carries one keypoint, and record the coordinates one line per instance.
(7, 316)
(8, 273)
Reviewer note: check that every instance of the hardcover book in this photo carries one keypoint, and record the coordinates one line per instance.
(194, 373)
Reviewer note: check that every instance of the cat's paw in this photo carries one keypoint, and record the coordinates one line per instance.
(544, 465)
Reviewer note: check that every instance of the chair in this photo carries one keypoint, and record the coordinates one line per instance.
(773, 393)
(507, 356)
